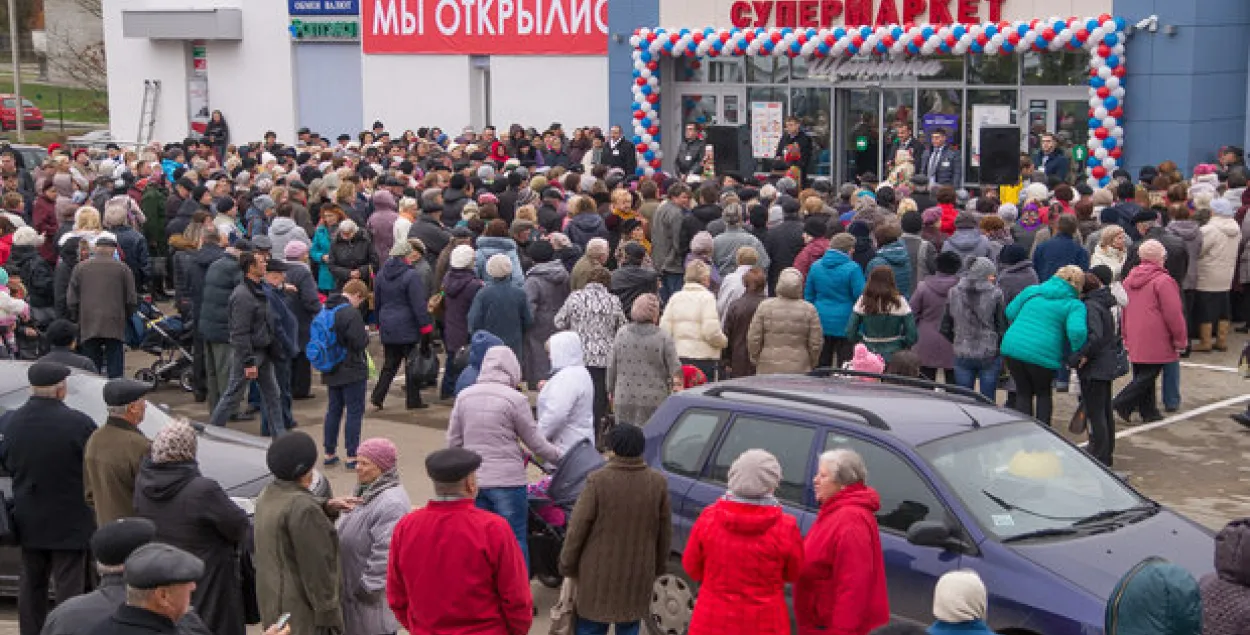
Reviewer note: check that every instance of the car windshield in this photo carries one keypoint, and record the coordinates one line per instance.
(10, 103)
(1020, 480)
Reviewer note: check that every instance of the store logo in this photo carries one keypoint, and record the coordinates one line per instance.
(834, 69)
(323, 7)
(826, 13)
(338, 30)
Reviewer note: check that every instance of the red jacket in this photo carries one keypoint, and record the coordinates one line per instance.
(949, 213)
(457, 570)
(841, 590)
(44, 221)
(1154, 322)
(812, 251)
(743, 555)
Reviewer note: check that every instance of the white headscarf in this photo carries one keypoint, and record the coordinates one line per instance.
(959, 597)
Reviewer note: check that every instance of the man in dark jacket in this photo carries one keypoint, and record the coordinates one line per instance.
(921, 194)
(159, 581)
(1177, 261)
(400, 300)
(784, 242)
(133, 245)
(42, 447)
(193, 270)
(251, 337)
(632, 279)
(61, 335)
(173, 203)
(304, 303)
(690, 152)
(429, 229)
(619, 152)
(111, 545)
(221, 276)
(941, 162)
(1061, 250)
(285, 345)
(105, 287)
(508, 197)
(200, 200)
(794, 149)
(458, 194)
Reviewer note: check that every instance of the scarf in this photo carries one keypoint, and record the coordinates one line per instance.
(763, 501)
(369, 491)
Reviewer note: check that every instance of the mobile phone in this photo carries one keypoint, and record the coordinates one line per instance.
(281, 623)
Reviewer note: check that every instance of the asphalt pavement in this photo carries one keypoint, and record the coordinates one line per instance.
(1194, 461)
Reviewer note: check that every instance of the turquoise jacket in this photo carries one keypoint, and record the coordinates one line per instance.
(833, 285)
(894, 256)
(1155, 598)
(1047, 321)
(320, 248)
(973, 627)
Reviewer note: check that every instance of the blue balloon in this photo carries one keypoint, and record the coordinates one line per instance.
(648, 155)
(640, 171)
(668, 45)
(944, 48)
(1094, 123)
(865, 31)
(1104, 181)
(656, 137)
(1113, 61)
(881, 48)
(636, 73)
(646, 89)
(635, 106)
(717, 45)
(1007, 47)
(1111, 102)
(708, 31)
(1093, 161)
(646, 122)
(927, 32)
(1091, 24)
(896, 32)
(911, 48)
(786, 31)
(991, 30)
(768, 46)
(1097, 82)
(823, 48)
(839, 33)
(1108, 143)
(852, 49)
(1111, 39)
(812, 33)
(958, 31)
(1120, 24)
(645, 56)
(796, 47)
(1022, 30)
(684, 32)
(975, 47)
(637, 139)
(1060, 25)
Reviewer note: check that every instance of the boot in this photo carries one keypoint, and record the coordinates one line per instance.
(1221, 335)
(1204, 339)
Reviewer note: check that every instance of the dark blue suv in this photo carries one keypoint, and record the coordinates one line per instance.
(963, 484)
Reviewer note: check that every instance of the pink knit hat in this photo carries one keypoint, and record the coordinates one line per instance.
(866, 360)
(380, 451)
(294, 250)
(1153, 251)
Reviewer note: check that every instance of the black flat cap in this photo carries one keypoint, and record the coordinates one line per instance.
(105, 241)
(157, 564)
(461, 232)
(122, 391)
(1145, 216)
(114, 542)
(42, 374)
(276, 266)
(451, 465)
(291, 455)
(262, 243)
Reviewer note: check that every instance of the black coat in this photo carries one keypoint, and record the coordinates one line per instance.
(60, 277)
(690, 157)
(355, 254)
(43, 446)
(36, 274)
(1103, 344)
(63, 355)
(130, 620)
(621, 156)
(349, 330)
(200, 260)
(453, 204)
(179, 221)
(304, 303)
(631, 281)
(1176, 262)
(193, 513)
(213, 317)
(804, 143)
(79, 615)
(432, 234)
(783, 244)
(400, 299)
(134, 249)
(251, 332)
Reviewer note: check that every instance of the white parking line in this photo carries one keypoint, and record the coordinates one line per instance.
(1223, 369)
(1176, 418)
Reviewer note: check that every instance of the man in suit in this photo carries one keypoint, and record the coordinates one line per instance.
(941, 162)
(794, 148)
(1052, 160)
(619, 152)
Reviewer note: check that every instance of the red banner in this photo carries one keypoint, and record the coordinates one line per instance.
(486, 27)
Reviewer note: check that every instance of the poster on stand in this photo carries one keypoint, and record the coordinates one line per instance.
(767, 119)
(986, 115)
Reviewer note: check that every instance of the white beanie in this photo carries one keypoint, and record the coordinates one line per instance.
(754, 474)
(959, 597)
(462, 257)
(1222, 207)
(499, 266)
(348, 226)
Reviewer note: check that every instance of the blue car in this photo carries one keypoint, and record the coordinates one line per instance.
(963, 484)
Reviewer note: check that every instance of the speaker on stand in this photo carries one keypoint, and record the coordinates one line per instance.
(731, 149)
(1000, 155)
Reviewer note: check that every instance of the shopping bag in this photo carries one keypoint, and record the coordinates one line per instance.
(373, 368)
(423, 369)
(564, 613)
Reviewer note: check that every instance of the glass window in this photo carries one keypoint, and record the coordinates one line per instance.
(994, 69)
(1018, 478)
(905, 496)
(790, 443)
(1062, 68)
(942, 108)
(862, 133)
(952, 70)
(798, 68)
(732, 110)
(988, 100)
(724, 71)
(688, 440)
(1071, 126)
(689, 69)
(700, 109)
(811, 106)
(766, 70)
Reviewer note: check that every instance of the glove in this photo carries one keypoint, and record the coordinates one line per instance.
(425, 349)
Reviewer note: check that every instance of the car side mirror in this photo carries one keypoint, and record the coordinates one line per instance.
(932, 533)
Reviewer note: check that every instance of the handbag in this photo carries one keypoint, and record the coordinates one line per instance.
(435, 305)
(423, 369)
(564, 612)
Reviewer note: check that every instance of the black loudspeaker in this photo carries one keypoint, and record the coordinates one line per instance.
(1000, 155)
(732, 149)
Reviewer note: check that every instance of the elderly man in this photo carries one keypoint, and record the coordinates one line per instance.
(133, 246)
(726, 245)
(111, 545)
(41, 445)
(115, 451)
(106, 287)
(597, 251)
(159, 581)
(841, 587)
(454, 567)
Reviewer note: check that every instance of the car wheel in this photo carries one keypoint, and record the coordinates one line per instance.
(672, 604)
(146, 375)
(187, 380)
(549, 581)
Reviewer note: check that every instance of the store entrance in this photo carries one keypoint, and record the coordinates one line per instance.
(1059, 112)
(867, 128)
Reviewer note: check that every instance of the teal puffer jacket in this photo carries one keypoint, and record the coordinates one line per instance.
(1155, 598)
(1047, 321)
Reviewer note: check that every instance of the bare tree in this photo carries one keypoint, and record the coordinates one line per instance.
(75, 50)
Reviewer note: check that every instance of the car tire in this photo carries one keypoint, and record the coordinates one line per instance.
(672, 601)
(146, 375)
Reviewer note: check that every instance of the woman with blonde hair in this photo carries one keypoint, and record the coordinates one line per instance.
(690, 318)
(904, 168)
(1112, 249)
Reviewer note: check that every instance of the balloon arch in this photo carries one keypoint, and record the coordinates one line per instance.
(1103, 37)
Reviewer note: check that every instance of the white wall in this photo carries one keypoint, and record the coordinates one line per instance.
(536, 91)
(248, 80)
(411, 91)
(677, 14)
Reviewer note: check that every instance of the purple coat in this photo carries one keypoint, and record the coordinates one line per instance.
(460, 286)
(928, 304)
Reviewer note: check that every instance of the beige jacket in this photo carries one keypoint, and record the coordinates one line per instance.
(692, 321)
(785, 334)
(1217, 261)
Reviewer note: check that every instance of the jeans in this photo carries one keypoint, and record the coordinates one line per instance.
(282, 373)
(591, 627)
(396, 355)
(513, 504)
(671, 283)
(447, 389)
(969, 371)
(1032, 382)
(1139, 394)
(1172, 385)
(349, 397)
(1096, 399)
(270, 395)
(930, 373)
(107, 354)
(68, 572)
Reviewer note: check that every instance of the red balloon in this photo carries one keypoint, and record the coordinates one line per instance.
(1048, 33)
(1119, 70)
(697, 36)
(1104, 50)
(1033, 24)
(857, 41)
(776, 37)
(887, 40)
(655, 163)
(1100, 132)
(830, 41)
(1082, 35)
(951, 41)
(1098, 172)
(724, 37)
(918, 40)
(653, 65)
(1014, 38)
(802, 38)
(642, 147)
(638, 114)
(653, 130)
(1103, 17)
(1091, 113)
(1104, 92)
(674, 38)
(1117, 112)
(982, 39)
(1115, 153)
(712, 53)
(651, 37)
(641, 81)
(1093, 72)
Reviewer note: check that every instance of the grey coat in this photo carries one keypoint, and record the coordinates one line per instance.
(975, 319)
(546, 289)
(640, 371)
(106, 287)
(297, 560)
(364, 545)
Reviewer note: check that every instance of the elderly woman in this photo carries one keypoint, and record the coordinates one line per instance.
(495, 241)
(842, 585)
(327, 228)
(643, 367)
(1154, 330)
(597, 252)
(352, 256)
(618, 538)
(959, 604)
(500, 307)
(1112, 249)
(595, 315)
(691, 319)
(785, 333)
(193, 513)
(743, 550)
(365, 539)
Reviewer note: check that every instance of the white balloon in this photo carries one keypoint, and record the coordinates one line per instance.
(1118, 49)
(1104, 71)
(634, 41)
(1094, 101)
(1117, 132)
(1113, 82)
(1118, 93)
(808, 48)
(928, 48)
(1100, 153)
(654, 81)
(1092, 182)
(1100, 112)
(646, 138)
(960, 48)
(1097, 62)
(1109, 122)
(657, 46)
(1109, 163)
(649, 171)
(1108, 26)
(645, 107)
(639, 65)
(704, 47)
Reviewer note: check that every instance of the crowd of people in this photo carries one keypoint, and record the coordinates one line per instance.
(600, 291)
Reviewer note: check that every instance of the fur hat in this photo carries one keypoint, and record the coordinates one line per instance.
(754, 474)
(499, 266)
(646, 308)
(27, 236)
(1153, 250)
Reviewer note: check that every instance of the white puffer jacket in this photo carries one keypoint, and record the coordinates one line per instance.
(691, 320)
(1218, 259)
(566, 403)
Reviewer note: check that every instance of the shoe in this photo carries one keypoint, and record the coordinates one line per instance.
(1204, 344)
(1242, 417)
(243, 416)
(330, 461)
(1171, 409)
(420, 406)
(1124, 413)
(350, 463)
(1244, 328)
(377, 407)
(1221, 335)
(1152, 417)
(302, 397)
(201, 398)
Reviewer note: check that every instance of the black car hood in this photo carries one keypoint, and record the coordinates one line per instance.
(1096, 562)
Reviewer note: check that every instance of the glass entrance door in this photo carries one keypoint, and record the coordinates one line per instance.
(867, 128)
(1062, 115)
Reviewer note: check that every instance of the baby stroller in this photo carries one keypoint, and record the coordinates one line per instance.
(550, 504)
(166, 337)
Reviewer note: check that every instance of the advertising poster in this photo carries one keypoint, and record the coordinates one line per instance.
(986, 115)
(767, 118)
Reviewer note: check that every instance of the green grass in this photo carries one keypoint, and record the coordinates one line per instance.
(79, 104)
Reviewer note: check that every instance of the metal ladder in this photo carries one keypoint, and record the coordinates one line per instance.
(147, 111)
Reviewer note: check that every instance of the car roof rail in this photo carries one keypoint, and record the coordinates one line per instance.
(912, 382)
(869, 416)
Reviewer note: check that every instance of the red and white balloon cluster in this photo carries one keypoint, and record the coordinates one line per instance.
(1102, 36)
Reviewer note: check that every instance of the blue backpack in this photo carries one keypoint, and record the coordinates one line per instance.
(324, 351)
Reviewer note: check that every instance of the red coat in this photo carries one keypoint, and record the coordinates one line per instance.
(457, 570)
(812, 251)
(1154, 322)
(841, 590)
(949, 213)
(743, 555)
(44, 221)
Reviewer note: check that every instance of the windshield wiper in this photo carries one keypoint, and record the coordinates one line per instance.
(1041, 533)
(1110, 514)
(1015, 508)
